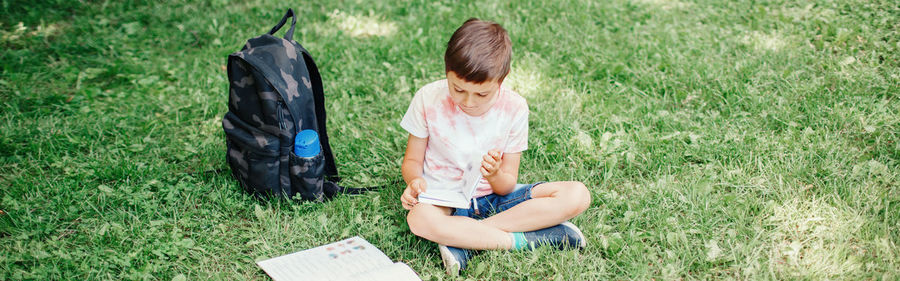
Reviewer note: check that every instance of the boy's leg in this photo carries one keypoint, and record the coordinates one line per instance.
(438, 225)
(552, 203)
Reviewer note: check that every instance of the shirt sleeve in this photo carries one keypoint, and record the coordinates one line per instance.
(518, 134)
(414, 119)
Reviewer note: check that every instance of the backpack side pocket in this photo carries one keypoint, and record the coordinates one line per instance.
(307, 176)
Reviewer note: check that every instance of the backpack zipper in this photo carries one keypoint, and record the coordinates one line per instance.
(281, 115)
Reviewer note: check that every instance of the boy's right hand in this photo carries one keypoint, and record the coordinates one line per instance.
(411, 193)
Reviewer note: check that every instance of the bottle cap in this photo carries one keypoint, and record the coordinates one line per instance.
(306, 143)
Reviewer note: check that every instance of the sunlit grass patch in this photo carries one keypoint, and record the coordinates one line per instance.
(527, 78)
(17, 34)
(665, 4)
(812, 239)
(762, 41)
(808, 12)
(362, 25)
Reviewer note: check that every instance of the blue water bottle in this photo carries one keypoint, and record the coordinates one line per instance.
(306, 143)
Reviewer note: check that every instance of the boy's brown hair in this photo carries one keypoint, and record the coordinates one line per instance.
(479, 51)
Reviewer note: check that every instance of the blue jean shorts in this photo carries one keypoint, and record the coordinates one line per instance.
(492, 204)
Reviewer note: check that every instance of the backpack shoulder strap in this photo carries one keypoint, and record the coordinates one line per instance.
(319, 99)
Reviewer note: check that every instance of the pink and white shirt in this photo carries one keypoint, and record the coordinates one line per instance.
(456, 140)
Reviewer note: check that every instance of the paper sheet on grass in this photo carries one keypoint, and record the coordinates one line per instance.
(349, 259)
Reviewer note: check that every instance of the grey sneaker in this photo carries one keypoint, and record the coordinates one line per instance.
(562, 236)
(455, 259)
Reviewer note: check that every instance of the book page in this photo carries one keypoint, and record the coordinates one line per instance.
(444, 197)
(471, 179)
(457, 195)
(335, 261)
(395, 272)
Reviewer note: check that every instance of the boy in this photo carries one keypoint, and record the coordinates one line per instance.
(454, 120)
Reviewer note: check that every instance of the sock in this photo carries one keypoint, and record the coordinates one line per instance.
(518, 241)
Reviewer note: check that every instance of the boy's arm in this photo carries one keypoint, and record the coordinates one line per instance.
(413, 160)
(503, 181)
(411, 169)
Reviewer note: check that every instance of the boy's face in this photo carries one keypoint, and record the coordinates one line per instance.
(473, 99)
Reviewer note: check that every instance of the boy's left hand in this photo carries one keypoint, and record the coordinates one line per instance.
(490, 163)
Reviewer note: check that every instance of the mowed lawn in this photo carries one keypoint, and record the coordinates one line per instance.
(719, 139)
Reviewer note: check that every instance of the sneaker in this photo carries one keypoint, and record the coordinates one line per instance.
(455, 259)
(562, 236)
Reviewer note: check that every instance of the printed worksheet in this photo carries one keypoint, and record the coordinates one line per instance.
(350, 259)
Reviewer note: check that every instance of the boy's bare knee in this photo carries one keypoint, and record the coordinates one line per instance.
(418, 224)
(580, 198)
(421, 222)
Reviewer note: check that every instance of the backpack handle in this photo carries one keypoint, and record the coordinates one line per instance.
(289, 35)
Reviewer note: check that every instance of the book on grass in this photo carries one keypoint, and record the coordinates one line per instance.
(455, 196)
(349, 259)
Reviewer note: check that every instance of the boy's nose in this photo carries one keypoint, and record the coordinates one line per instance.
(468, 101)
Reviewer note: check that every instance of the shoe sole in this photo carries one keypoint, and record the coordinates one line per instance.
(577, 230)
(450, 262)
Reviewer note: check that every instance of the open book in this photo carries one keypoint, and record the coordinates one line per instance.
(455, 196)
(349, 259)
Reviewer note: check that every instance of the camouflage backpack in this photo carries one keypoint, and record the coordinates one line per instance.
(275, 91)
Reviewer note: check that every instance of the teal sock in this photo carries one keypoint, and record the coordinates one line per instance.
(518, 239)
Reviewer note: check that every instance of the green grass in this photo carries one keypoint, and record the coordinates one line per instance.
(719, 139)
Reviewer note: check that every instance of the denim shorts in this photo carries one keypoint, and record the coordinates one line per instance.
(492, 204)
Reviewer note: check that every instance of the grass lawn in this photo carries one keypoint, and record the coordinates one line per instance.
(719, 139)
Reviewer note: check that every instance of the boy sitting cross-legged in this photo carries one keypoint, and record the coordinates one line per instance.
(451, 121)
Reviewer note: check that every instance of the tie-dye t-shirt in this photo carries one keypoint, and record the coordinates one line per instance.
(457, 140)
